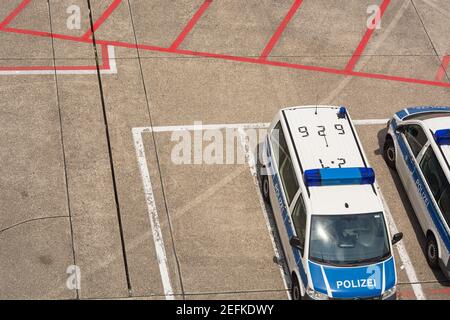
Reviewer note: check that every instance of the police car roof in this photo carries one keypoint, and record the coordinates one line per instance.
(437, 122)
(340, 145)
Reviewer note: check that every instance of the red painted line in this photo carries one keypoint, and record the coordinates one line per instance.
(276, 36)
(105, 58)
(437, 291)
(234, 58)
(105, 54)
(407, 293)
(134, 46)
(312, 68)
(399, 79)
(190, 24)
(102, 18)
(71, 68)
(14, 13)
(301, 67)
(362, 45)
(442, 69)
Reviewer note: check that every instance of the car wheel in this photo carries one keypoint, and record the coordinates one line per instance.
(432, 252)
(265, 188)
(296, 292)
(389, 152)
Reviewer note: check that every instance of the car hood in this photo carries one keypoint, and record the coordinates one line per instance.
(353, 282)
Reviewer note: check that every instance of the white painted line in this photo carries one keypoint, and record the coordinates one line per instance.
(112, 62)
(369, 122)
(403, 254)
(112, 69)
(256, 125)
(153, 214)
(275, 244)
(206, 127)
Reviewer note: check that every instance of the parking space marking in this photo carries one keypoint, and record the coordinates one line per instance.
(109, 60)
(109, 66)
(443, 68)
(276, 36)
(344, 72)
(269, 222)
(255, 125)
(234, 58)
(153, 214)
(362, 45)
(403, 254)
(190, 24)
(369, 122)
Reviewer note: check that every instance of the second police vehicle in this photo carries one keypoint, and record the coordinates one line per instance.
(327, 207)
(418, 146)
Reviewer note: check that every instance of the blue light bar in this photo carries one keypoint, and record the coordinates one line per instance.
(342, 112)
(442, 137)
(402, 114)
(339, 176)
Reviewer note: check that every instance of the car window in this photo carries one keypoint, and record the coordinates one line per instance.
(289, 179)
(416, 138)
(444, 204)
(354, 239)
(433, 173)
(284, 163)
(280, 151)
(299, 219)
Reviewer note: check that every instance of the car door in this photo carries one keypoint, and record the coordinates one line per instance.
(411, 139)
(432, 187)
(299, 219)
(286, 187)
(274, 179)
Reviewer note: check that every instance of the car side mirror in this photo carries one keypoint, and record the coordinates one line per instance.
(296, 243)
(400, 129)
(397, 237)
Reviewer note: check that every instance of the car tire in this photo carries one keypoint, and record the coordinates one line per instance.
(265, 188)
(296, 292)
(389, 152)
(432, 252)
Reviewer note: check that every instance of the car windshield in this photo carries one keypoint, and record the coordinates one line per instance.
(348, 239)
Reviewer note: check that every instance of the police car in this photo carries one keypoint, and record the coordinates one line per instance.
(327, 206)
(418, 146)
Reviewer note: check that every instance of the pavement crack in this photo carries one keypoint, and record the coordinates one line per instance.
(110, 154)
(63, 148)
(31, 220)
(147, 100)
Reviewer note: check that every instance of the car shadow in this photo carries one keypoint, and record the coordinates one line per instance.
(281, 259)
(420, 236)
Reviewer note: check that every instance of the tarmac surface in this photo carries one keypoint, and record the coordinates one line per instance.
(89, 118)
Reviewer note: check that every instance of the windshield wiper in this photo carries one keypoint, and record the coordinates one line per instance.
(369, 260)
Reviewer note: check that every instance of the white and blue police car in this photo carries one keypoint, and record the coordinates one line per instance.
(327, 206)
(417, 145)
